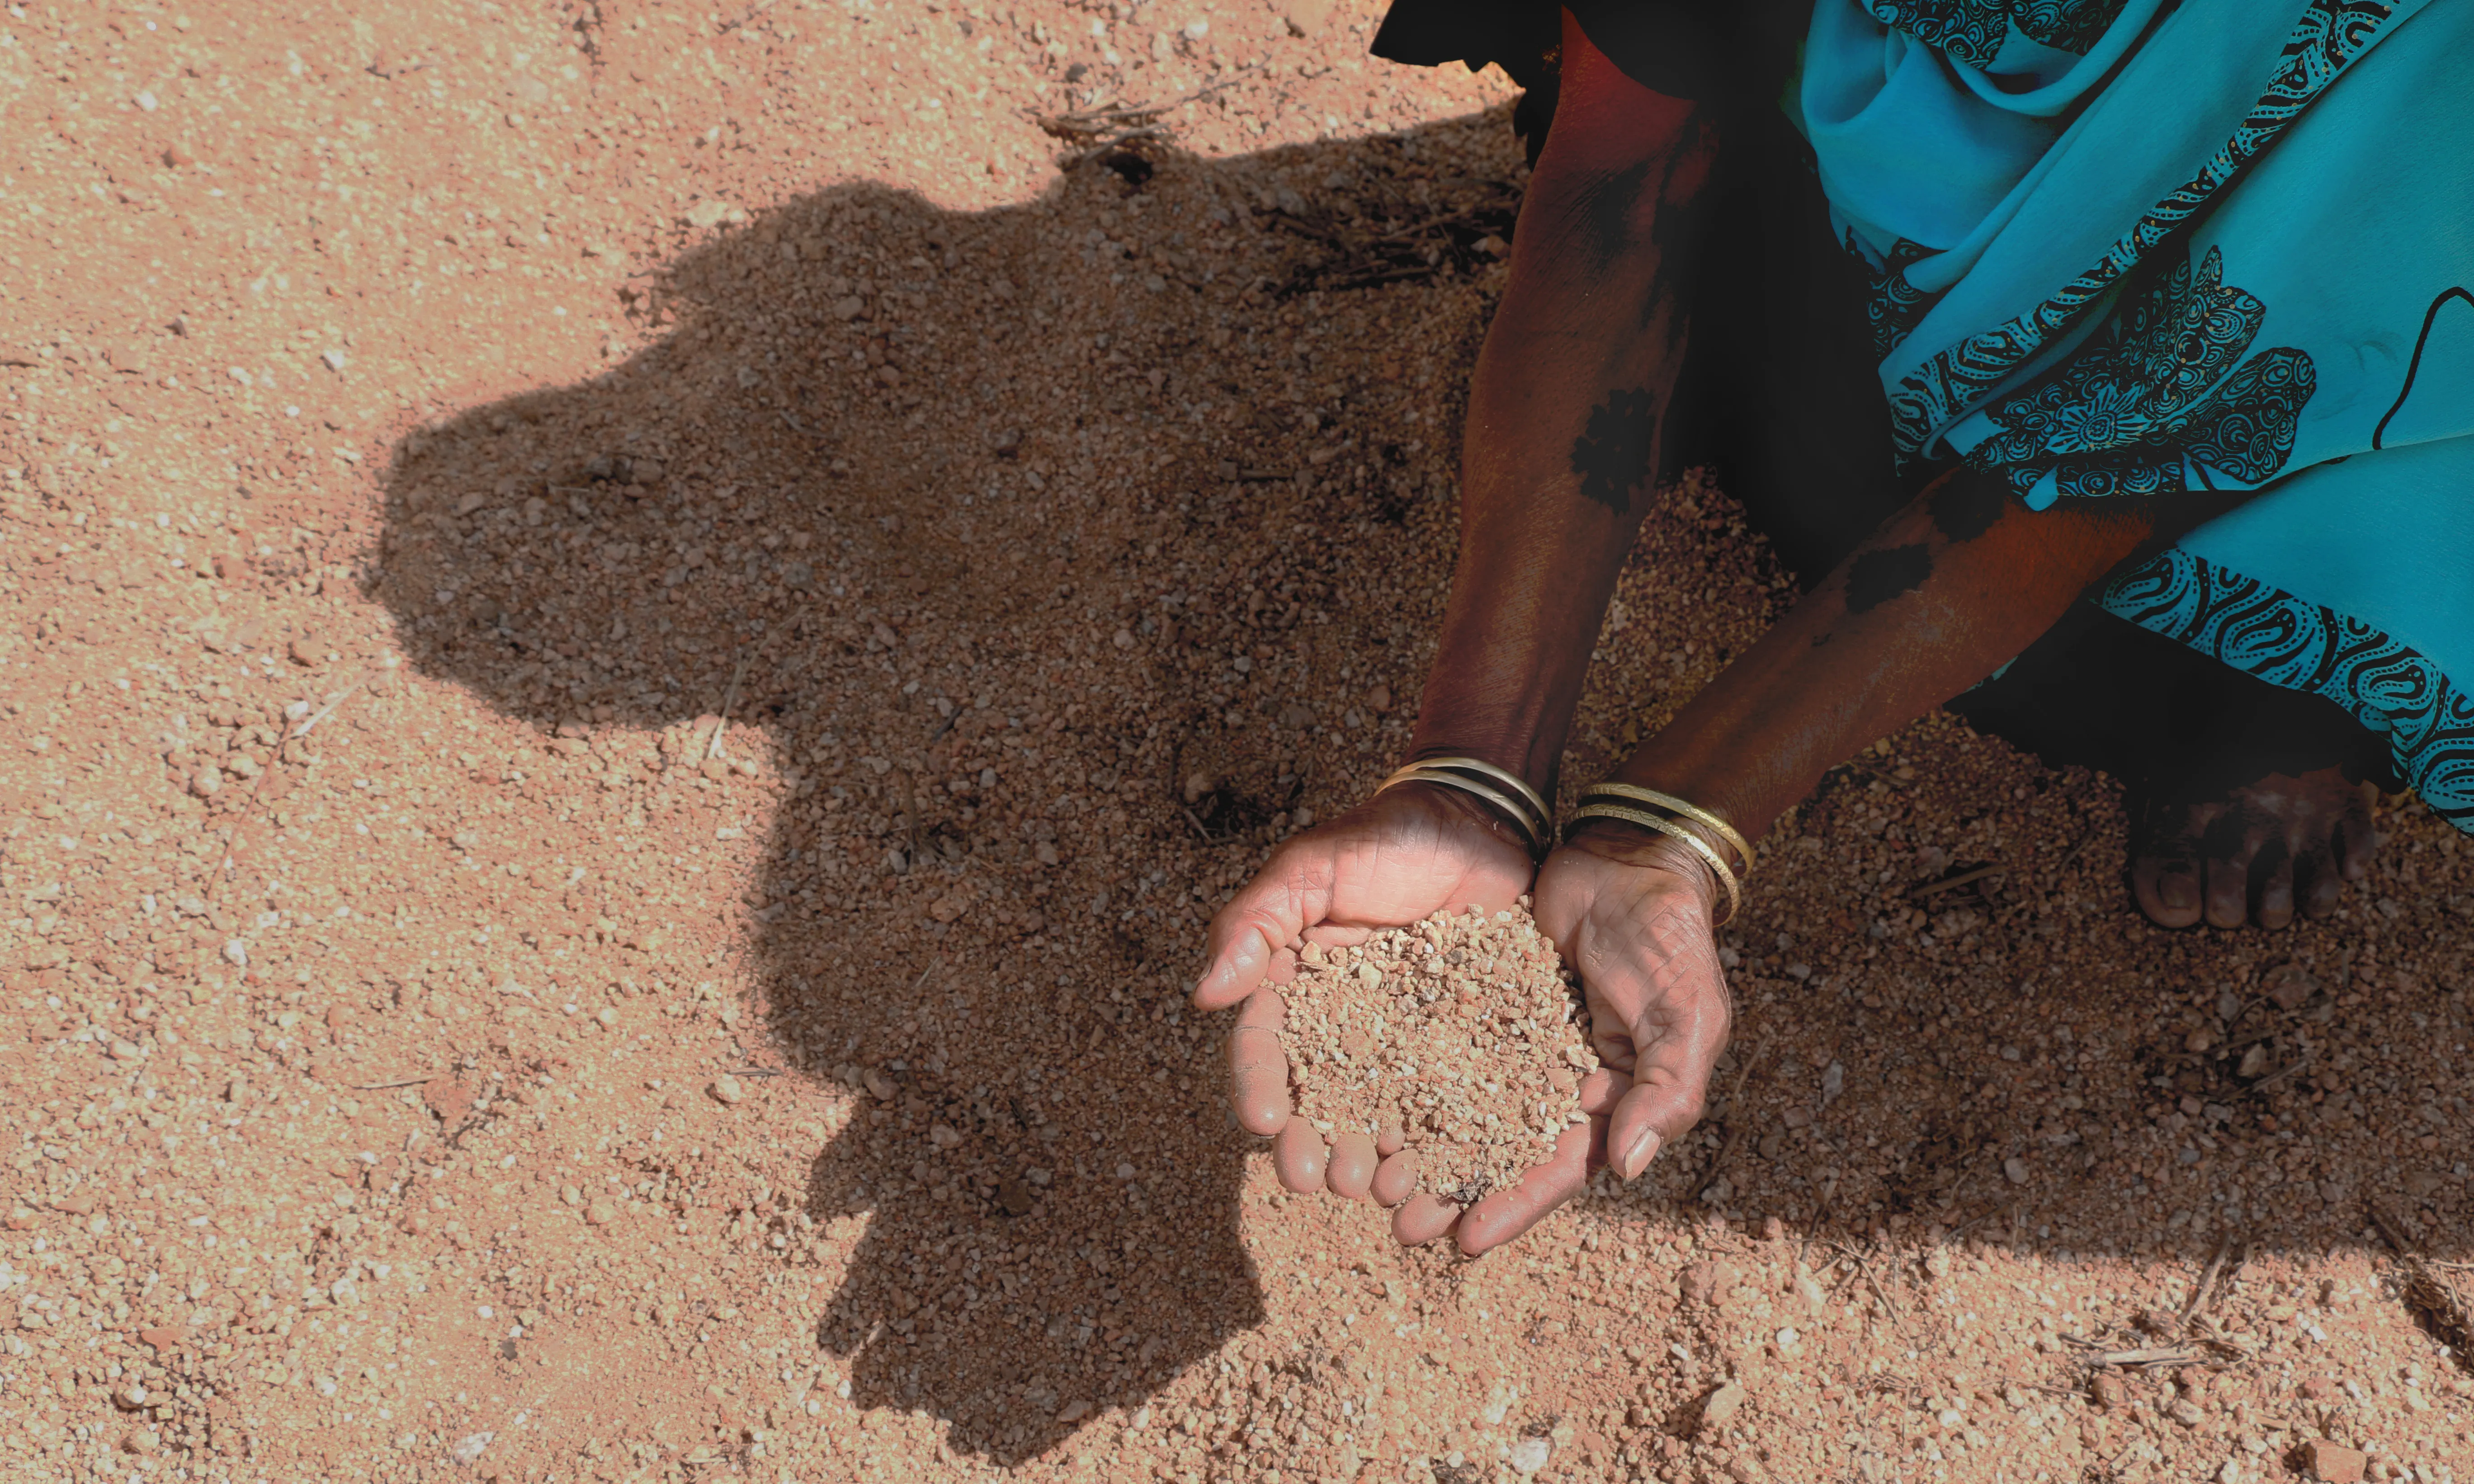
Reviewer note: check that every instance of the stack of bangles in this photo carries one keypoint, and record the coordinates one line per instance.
(1625, 801)
(1511, 797)
(1505, 791)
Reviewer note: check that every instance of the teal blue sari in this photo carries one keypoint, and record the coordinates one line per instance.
(2128, 247)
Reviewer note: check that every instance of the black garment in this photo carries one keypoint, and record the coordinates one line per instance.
(1779, 394)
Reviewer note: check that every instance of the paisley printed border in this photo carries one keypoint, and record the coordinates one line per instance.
(2263, 630)
(2157, 395)
(2330, 34)
(1973, 30)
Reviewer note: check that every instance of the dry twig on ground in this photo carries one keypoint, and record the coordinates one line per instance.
(2439, 1304)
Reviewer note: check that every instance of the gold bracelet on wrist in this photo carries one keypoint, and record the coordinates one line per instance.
(1708, 853)
(1635, 793)
(1515, 800)
(1503, 777)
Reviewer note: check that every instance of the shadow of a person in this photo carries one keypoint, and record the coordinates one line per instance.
(1016, 534)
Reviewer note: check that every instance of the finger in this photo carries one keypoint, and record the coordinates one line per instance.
(1351, 1172)
(1239, 960)
(1505, 1214)
(1676, 1043)
(1298, 1157)
(1390, 1139)
(1293, 889)
(1258, 1067)
(1395, 1179)
(1421, 1219)
(1332, 935)
(1284, 966)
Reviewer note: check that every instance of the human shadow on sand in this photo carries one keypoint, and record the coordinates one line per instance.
(1064, 553)
(991, 522)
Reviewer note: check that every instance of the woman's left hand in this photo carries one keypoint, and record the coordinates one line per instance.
(1633, 916)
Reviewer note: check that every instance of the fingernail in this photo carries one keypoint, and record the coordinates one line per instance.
(1637, 1154)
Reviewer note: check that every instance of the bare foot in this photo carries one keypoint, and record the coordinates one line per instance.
(2256, 854)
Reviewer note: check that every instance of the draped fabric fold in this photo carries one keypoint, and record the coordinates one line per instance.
(2238, 258)
(2154, 247)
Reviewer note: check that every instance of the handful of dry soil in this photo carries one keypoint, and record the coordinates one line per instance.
(1464, 1029)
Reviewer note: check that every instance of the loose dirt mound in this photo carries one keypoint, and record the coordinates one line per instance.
(1466, 1031)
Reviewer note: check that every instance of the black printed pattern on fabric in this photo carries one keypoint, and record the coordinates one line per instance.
(1895, 306)
(2158, 385)
(1973, 30)
(2264, 631)
(2329, 35)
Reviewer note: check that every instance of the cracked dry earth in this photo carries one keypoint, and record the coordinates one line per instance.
(636, 638)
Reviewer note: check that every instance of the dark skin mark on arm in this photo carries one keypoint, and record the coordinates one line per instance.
(1676, 230)
(1606, 210)
(1612, 453)
(1876, 577)
(1965, 509)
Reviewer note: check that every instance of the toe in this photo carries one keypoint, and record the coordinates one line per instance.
(2168, 876)
(1351, 1172)
(2319, 880)
(2165, 877)
(2228, 896)
(2357, 841)
(2276, 895)
(1395, 1179)
(1298, 1157)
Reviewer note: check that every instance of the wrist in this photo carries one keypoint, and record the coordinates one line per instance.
(1721, 788)
(1523, 746)
(1630, 844)
(1502, 791)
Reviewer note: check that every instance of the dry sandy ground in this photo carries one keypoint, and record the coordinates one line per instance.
(805, 609)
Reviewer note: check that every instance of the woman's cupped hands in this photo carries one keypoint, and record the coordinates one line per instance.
(1631, 912)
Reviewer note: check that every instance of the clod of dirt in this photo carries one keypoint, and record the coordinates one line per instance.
(452, 1098)
(1462, 1030)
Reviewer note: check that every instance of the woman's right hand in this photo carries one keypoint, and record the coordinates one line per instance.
(1393, 860)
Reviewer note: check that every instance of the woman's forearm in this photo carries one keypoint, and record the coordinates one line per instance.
(1954, 587)
(1565, 414)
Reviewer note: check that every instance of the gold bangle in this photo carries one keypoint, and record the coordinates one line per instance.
(1673, 806)
(1667, 826)
(1503, 777)
(1503, 804)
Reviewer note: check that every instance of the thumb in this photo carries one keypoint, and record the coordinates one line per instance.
(1677, 1041)
(1290, 894)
